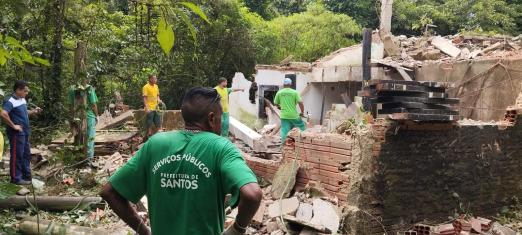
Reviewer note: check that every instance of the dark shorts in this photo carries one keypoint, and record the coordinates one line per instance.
(153, 118)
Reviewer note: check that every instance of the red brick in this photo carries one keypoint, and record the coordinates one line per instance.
(340, 158)
(342, 196)
(331, 169)
(341, 151)
(320, 148)
(329, 162)
(341, 145)
(321, 141)
(331, 188)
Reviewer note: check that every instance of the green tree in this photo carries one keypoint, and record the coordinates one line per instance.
(314, 33)
(364, 12)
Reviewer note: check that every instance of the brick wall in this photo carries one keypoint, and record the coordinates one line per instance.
(431, 171)
(409, 172)
(323, 159)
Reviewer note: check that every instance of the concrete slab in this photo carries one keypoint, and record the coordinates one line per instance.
(445, 46)
(290, 206)
(305, 212)
(243, 132)
(325, 214)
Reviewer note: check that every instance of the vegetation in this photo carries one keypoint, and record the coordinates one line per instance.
(192, 43)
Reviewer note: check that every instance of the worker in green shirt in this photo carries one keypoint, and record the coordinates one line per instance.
(91, 111)
(185, 175)
(287, 99)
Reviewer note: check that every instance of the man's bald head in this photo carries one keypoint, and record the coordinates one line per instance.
(201, 108)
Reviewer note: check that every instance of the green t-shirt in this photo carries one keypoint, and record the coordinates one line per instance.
(91, 99)
(287, 99)
(185, 177)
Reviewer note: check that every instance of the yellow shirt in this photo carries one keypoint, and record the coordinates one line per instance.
(223, 92)
(151, 93)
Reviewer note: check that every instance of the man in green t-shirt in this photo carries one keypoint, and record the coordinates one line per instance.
(186, 175)
(92, 113)
(287, 99)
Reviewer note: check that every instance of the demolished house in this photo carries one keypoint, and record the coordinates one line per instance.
(443, 132)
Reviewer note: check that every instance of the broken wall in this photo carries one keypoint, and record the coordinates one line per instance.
(431, 172)
(323, 160)
(484, 86)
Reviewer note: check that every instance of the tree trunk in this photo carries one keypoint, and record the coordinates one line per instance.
(54, 92)
(30, 227)
(48, 203)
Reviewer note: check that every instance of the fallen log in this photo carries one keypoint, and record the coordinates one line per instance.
(49, 203)
(30, 227)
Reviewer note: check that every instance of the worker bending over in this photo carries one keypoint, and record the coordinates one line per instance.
(287, 99)
(186, 175)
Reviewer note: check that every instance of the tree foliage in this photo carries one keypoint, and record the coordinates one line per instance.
(312, 34)
(450, 16)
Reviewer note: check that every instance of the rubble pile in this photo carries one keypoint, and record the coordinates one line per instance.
(454, 47)
(463, 225)
(302, 213)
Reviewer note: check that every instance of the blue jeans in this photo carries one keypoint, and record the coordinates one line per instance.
(20, 164)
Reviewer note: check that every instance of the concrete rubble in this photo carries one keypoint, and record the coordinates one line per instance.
(462, 225)
(453, 48)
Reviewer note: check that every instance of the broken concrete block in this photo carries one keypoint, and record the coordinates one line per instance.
(445, 46)
(271, 226)
(493, 47)
(308, 231)
(316, 227)
(305, 212)
(277, 232)
(465, 53)
(433, 54)
(325, 214)
(389, 46)
(284, 179)
(258, 217)
(290, 206)
(243, 132)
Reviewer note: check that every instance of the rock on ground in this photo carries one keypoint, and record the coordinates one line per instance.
(305, 212)
(284, 180)
(325, 214)
(290, 206)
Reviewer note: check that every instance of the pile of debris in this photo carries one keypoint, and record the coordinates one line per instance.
(410, 52)
(462, 225)
(301, 214)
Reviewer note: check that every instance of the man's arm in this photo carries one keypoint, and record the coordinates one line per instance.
(123, 209)
(34, 111)
(301, 106)
(95, 109)
(234, 90)
(145, 104)
(7, 119)
(250, 196)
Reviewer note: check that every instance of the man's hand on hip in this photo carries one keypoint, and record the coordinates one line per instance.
(147, 110)
(18, 128)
